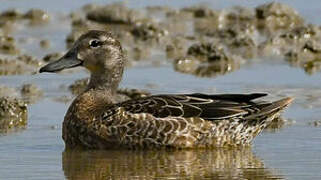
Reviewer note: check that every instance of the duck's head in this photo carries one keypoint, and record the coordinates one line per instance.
(97, 51)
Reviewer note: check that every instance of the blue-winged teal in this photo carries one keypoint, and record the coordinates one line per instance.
(95, 120)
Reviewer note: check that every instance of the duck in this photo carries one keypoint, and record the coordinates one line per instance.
(96, 120)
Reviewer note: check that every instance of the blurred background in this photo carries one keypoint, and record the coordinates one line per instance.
(233, 46)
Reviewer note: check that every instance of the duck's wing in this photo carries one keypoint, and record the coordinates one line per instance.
(209, 107)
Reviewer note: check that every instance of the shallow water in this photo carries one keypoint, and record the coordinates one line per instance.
(291, 152)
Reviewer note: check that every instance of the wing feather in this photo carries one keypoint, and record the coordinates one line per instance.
(209, 107)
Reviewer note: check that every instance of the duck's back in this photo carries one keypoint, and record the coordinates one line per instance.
(180, 121)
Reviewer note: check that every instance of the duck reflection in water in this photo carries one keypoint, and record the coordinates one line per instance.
(219, 163)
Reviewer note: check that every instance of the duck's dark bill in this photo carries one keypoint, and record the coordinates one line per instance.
(63, 63)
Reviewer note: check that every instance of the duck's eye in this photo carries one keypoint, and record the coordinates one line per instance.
(95, 43)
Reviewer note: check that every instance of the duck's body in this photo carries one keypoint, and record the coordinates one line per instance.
(179, 121)
(95, 121)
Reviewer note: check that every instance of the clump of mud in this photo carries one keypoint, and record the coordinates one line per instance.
(13, 114)
(8, 92)
(22, 64)
(308, 56)
(34, 16)
(200, 11)
(31, 93)
(268, 30)
(244, 32)
(37, 15)
(52, 57)
(147, 30)
(292, 40)
(177, 47)
(8, 45)
(116, 13)
(13, 105)
(207, 52)
(206, 59)
(316, 123)
(275, 16)
(45, 44)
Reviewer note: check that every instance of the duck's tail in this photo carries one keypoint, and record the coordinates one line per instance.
(273, 108)
(278, 105)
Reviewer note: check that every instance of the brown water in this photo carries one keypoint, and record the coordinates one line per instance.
(291, 152)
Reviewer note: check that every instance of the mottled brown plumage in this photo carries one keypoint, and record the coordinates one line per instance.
(94, 120)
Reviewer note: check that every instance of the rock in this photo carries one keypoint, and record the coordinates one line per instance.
(116, 13)
(225, 34)
(186, 65)
(8, 45)
(89, 7)
(29, 60)
(45, 43)
(13, 114)
(275, 16)
(140, 52)
(176, 48)
(52, 57)
(291, 40)
(148, 31)
(238, 16)
(8, 92)
(312, 66)
(237, 21)
(23, 64)
(205, 69)
(201, 11)
(206, 60)
(316, 123)
(236, 41)
(207, 52)
(31, 93)
(37, 16)
(307, 57)
(243, 46)
(205, 26)
(302, 34)
(11, 14)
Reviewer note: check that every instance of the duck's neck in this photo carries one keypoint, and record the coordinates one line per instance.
(105, 83)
